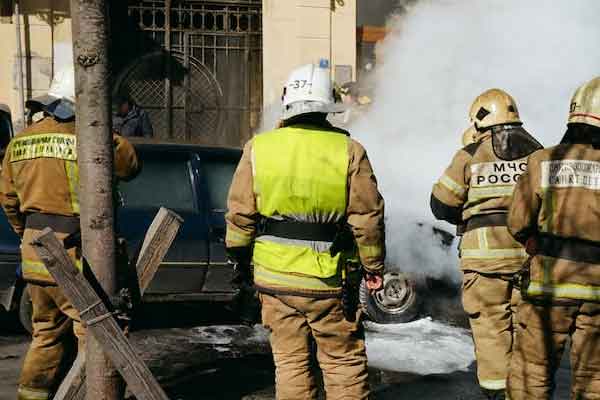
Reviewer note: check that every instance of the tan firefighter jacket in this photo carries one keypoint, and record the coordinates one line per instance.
(476, 190)
(311, 174)
(557, 202)
(40, 176)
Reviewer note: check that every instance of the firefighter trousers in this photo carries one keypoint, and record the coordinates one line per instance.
(542, 333)
(491, 300)
(294, 323)
(57, 335)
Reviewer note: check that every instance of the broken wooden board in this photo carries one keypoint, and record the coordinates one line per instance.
(99, 321)
(156, 244)
(73, 386)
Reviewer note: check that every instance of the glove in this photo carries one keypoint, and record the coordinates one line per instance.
(239, 255)
(242, 275)
(531, 246)
(246, 304)
(374, 281)
(239, 258)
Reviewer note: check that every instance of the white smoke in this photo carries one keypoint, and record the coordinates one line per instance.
(438, 57)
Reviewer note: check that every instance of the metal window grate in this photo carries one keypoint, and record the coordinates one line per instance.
(206, 84)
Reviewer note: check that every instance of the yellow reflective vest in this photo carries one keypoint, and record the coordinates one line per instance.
(302, 173)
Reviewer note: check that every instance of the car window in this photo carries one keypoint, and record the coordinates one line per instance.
(218, 174)
(163, 182)
(5, 130)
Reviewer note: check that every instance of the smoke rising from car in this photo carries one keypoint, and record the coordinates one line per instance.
(437, 58)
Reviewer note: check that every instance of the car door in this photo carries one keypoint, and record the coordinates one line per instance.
(10, 257)
(6, 128)
(168, 179)
(216, 172)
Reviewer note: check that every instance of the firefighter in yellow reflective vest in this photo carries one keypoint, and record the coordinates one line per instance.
(293, 191)
(475, 190)
(38, 189)
(556, 213)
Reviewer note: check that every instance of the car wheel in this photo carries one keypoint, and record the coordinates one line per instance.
(26, 311)
(396, 303)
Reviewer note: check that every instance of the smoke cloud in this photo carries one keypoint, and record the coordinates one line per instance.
(439, 55)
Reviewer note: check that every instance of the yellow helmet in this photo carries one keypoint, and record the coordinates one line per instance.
(468, 136)
(494, 107)
(585, 104)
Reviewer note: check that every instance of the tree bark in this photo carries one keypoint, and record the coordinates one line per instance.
(95, 159)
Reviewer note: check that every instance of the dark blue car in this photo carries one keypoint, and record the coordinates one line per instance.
(188, 179)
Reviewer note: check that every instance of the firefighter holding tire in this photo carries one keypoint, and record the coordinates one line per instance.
(38, 189)
(294, 191)
(475, 190)
(555, 213)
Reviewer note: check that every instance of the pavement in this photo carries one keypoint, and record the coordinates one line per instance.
(233, 362)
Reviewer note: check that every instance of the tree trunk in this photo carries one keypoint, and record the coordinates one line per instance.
(95, 158)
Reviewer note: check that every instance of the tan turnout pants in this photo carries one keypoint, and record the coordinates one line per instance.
(57, 331)
(294, 321)
(491, 303)
(540, 341)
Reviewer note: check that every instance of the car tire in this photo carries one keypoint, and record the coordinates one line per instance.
(26, 311)
(396, 303)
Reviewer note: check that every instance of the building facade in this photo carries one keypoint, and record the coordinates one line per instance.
(204, 70)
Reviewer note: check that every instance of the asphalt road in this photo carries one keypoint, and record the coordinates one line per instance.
(233, 370)
(233, 362)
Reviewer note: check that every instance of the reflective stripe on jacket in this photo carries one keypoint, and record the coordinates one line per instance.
(309, 174)
(559, 196)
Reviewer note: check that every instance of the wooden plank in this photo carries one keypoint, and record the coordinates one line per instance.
(73, 386)
(97, 317)
(156, 244)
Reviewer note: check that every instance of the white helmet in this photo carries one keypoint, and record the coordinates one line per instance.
(60, 100)
(308, 90)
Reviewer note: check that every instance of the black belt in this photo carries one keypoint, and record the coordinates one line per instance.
(298, 230)
(577, 250)
(485, 220)
(58, 223)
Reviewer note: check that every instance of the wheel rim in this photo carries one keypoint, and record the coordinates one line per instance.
(397, 294)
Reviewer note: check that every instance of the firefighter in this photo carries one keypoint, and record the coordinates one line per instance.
(295, 191)
(555, 213)
(475, 190)
(39, 188)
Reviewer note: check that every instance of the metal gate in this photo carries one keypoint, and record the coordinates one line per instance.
(204, 82)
